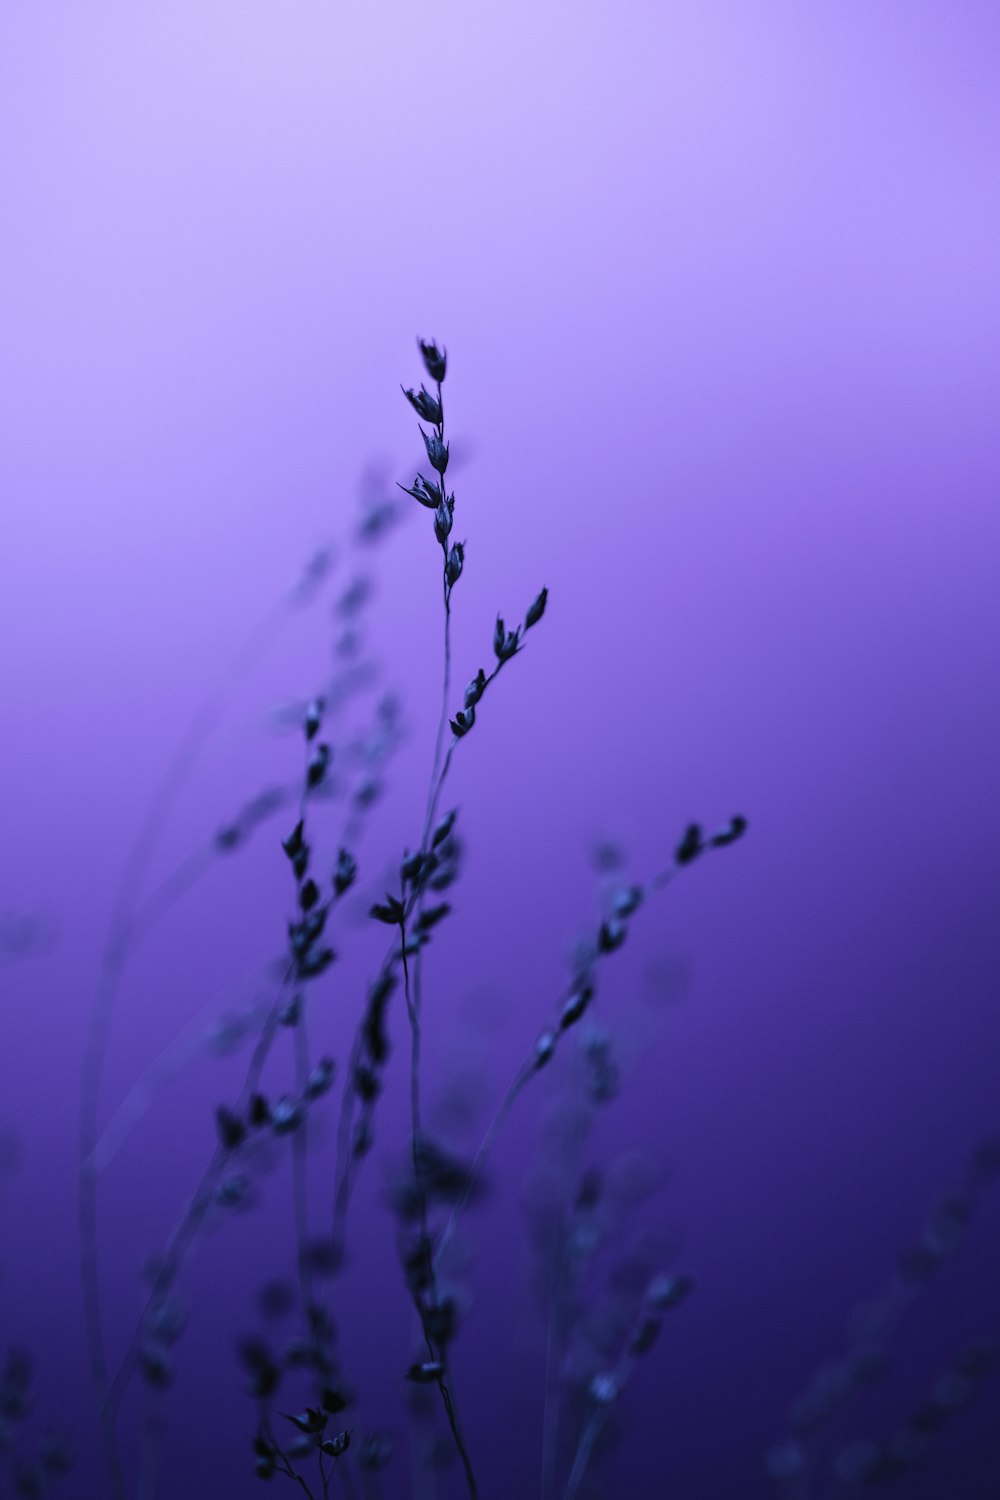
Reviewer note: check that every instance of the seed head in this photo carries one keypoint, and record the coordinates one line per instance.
(505, 642)
(437, 451)
(443, 521)
(232, 1131)
(734, 829)
(344, 872)
(575, 1006)
(318, 765)
(424, 490)
(435, 359)
(424, 404)
(455, 564)
(544, 1048)
(611, 936)
(690, 845)
(626, 901)
(320, 1079)
(286, 1116)
(313, 718)
(443, 829)
(475, 689)
(536, 609)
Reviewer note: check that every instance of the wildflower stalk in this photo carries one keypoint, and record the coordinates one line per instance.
(437, 452)
(560, 1292)
(436, 1354)
(347, 1159)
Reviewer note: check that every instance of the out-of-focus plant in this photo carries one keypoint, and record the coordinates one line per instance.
(816, 1459)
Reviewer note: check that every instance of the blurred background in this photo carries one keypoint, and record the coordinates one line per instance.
(718, 286)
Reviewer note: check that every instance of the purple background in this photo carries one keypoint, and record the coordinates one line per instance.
(719, 287)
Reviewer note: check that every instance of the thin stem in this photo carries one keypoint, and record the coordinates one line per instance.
(300, 1185)
(479, 1160)
(599, 1415)
(584, 1452)
(187, 1043)
(153, 1435)
(565, 1283)
(193, 1217)
(415, 1125)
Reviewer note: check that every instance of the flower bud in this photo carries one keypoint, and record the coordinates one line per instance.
(575, 1006)
(505, 641)
(320, 1079)
(611, 936)
(475, 689)
(626, 901)
(690, 845)
(443, 522)
(424, 490)
(735, 829)
(424, 404)
(443, 828)
(536, 609)
(313, 718)
(544, 1048)
(435, 359)
(437, 451)
(344, 872)
(232, 1131)
(286, 1116)
(318, 763)
(455, 564)
(290, 1013)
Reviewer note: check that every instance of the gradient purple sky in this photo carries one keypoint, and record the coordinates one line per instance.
(719, 283)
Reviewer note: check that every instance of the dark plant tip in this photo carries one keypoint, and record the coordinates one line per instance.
(437, 453)
(231, 1129)
(544, 1048)
(295, 843)
(435, 359)
(443, 828)
(536, 609)
(317, 767)
(390, 911)
(735, 829)
(690, 846)
(454, 564)
(463, 722)
(611, 936)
